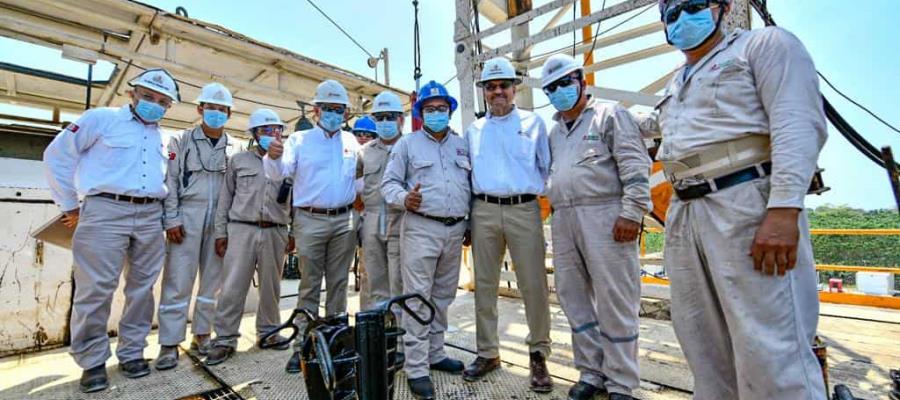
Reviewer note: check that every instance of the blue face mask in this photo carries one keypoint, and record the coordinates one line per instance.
(214, 119)
(331, 121)
(436, 121)
(691, 30)
(265, 141)
(565, 97)
(149, 111)
(387, 130)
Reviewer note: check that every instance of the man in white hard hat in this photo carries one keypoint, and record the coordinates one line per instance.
(510, 157)
(252, 235)
(600, 190)
(428, 175)
(380, 227)
(197, 159)
(742, 126)
(114, 157)
(322, 164)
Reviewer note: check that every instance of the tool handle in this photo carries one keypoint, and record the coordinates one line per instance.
(402, 302)
(263, 340)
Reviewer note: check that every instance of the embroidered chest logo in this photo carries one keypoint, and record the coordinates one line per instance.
(461, 152)
(721, 65)
(591, 137)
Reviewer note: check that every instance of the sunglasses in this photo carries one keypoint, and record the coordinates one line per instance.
(690, 6)
(561, 82)
(270, 130)
(386, 117)
(365, 134)
(334, 109)
(431, 109)
(492, 86)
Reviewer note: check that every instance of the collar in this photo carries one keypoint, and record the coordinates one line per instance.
(501, 118)
(588, 108)
(337, 134)
(197, 134)
(433, 139)
(724, 44)
(124, 113)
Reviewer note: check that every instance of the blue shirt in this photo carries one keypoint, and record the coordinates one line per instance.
(106, 150)
(510, 154)
(323, 168)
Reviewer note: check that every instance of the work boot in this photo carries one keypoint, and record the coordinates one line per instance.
(421, 388)
(479, 368)
(293, 364)
(135, 368)
(285, 343)
(541, 382)
(450, 365)
(167, 358)
(620, 396)
(218, 354)
(200, 344)
(585, 391)
(94, 379)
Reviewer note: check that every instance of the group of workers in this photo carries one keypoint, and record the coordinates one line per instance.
(741, 127)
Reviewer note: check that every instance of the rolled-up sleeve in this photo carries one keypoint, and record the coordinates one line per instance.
(62, 156)
(633, 164)
(789, 90)
(393, 183)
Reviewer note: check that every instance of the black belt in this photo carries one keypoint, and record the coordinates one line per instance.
(722, 182)
(506, 201)
(448, 221)
(261, 224)
(128, 199)
(328, 211)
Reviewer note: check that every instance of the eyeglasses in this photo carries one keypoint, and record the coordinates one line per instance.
(364, 134)
(561, 82)
(431, 109)
(333, 108)
(270, 130)
(492, 86)
(386, 117)
(144, 94)
(689, 6)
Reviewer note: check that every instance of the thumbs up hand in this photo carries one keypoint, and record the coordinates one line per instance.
(276, 149)
(413, 198)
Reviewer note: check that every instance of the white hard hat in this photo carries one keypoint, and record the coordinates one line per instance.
(558, 66)
(331, 91)
(387, 102)
(263, 117)
(157, 80)
(498, 68)
(215, 93)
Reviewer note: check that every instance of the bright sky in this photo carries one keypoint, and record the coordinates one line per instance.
(856, 47)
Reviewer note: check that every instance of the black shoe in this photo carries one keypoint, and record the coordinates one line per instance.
(399, 358)
(218, 354)
(275, 342)
(94, 379)
(167, 358)
(421, 388)
(450, 365)
(480, 367)
(135, 368)
(620, 396)
(585, 391)
(293, 364)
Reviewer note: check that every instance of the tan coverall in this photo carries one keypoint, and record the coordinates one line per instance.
(600, 172)
(745, 335)
(380, 231)
(195, 173)
(246, 199)
(430, 251)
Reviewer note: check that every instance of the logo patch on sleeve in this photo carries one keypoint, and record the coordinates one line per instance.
(171, 155)
(73, 128)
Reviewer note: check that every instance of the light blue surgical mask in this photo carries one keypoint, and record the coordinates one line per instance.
(149, 111)
(387, 130)
(565, 97)
(214, 118)
(436, 121)
(691, 30)
(265, 141)
(331, 121)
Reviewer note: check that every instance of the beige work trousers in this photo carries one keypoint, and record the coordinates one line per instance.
(110, 235)
(516, 227)
(745, 335)
(250, 249)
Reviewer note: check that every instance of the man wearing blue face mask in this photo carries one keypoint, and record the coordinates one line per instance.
(197, 159)
(600, 190)
(428, 175)
(322, 164)
(114, 157)
(742, 126)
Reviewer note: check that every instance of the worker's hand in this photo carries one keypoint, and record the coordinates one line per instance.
(221, 246)
(70, 218)
(358, 204)
(291, 245)
(626, 230)
(774, 248)
(175, 234)
(467, 238)
(413, 198)
(276, 149)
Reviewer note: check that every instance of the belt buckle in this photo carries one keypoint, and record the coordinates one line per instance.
(448, 221)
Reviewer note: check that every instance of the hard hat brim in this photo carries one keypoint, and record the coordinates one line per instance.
(148, 87)
(517, 81)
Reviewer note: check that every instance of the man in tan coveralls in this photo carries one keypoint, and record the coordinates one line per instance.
(600, 191)
(428, 175)
(250, 218)
(197, 158)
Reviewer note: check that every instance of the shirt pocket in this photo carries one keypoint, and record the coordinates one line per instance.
(348, 166)
(117, 149)
(735, 90)
(421, 171)
(592, 156)
(246, 181)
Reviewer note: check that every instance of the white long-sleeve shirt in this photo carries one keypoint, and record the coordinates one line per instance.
(510, 154)
(106, 150)
(322, 168)
(759, 82)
